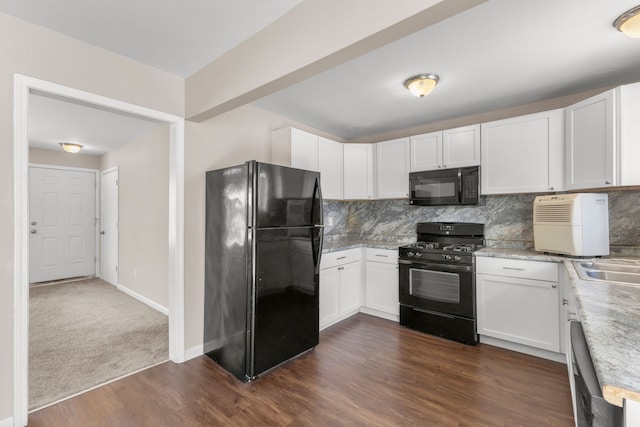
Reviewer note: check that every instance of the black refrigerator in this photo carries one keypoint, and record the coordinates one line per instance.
(263, 245)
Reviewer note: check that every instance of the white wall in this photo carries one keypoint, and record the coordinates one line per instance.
(40, 53)
(143, 185)
(62, 158)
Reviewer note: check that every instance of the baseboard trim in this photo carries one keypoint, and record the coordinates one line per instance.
(8, 422)
(521, 348)
(378, 313)
(193, 352)
(143, 299)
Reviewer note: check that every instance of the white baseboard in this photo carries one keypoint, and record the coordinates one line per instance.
(521, 348)
(8, 422)
(193, 352)
(143, 299)
(378, 313)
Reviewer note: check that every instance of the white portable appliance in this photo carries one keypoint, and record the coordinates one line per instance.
(572, 224)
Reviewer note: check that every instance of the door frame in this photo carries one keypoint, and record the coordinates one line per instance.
(99, 243)
(23, 85)
(96, 231)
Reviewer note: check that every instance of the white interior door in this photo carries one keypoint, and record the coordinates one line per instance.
(109, 226)
(62, 219)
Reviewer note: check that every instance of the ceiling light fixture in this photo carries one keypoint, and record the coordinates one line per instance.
(422, 84)
(629, 23)
(70, 147)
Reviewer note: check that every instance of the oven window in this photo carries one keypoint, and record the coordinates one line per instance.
(434, 285)
(428, 188)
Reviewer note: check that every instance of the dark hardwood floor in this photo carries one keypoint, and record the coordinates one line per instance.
(365, 371)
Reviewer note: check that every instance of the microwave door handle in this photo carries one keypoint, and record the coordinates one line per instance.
(459, 185)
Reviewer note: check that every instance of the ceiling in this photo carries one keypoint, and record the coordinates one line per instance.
(499, 54)
(54, 119)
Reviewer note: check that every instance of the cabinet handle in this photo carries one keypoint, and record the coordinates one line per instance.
(607, 182)
(383, 256)
(554, 286)
(340, 268)
(341, 257)
(444, 166)
(550, 188)
(565, 301)
(513, 268)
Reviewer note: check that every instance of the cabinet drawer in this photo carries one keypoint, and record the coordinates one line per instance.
(331, 259)
(388, 256)
(536, 270)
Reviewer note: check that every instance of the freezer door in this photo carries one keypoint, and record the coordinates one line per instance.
(287, 197)
(286, 302)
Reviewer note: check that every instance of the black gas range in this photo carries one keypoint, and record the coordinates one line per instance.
(437, 280)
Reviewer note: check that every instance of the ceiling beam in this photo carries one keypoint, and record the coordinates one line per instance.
(313, 37)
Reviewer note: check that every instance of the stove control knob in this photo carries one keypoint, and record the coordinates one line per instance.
(410, 254)
(418, 254)
(457, 258)
(447, 257)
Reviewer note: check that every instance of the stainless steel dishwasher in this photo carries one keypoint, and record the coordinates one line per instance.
(591, 408)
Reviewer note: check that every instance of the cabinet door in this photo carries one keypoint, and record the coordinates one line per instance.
(519, 310)
(590, 142)
(382, 287)
(393, 168)
(329, 296)
(330, 164)
(426, 151)
(304, 150)
(522, 154)
(350, 281)
(358, 171)
(461, 147)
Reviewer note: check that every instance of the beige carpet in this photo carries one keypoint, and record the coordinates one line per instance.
(84, 333)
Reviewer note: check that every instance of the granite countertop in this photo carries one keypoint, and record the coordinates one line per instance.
(340, 245)
(610, 316)
(525, 254)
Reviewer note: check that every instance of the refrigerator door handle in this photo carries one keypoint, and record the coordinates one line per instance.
(318, 225)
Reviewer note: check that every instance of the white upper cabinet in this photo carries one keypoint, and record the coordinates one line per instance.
(393, 168)
(295, 148)
(523, 154)
(590, 142)
(461, 147)
(602, 139)
(359, 171)
(426, 151)
(451, 148)
(330, 164)
(303, 150)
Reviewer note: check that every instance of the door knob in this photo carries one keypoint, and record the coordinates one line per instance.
(34, 231)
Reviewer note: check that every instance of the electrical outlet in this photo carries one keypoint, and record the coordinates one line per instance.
(330, 221)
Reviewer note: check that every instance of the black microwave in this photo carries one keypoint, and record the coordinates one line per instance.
(457, 186)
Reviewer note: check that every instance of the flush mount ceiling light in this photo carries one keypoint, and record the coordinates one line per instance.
(629, 22)
(422, 84)
(70, 147)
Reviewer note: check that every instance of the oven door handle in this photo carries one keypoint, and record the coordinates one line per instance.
(445, 268)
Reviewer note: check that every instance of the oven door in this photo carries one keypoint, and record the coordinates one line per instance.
(444, 288)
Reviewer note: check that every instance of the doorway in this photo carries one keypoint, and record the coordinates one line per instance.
(22, 87)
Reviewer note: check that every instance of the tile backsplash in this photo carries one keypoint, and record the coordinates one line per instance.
(508, 220)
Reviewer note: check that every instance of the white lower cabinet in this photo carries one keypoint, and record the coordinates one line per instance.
(381, 290)
(340, 286)
(518, 302)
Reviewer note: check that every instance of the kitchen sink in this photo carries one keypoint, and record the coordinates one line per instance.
(625, 271)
